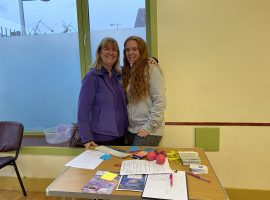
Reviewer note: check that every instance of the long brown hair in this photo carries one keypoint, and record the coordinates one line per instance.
(137, 76)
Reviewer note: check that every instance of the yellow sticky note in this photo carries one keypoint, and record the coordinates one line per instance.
(109, 176)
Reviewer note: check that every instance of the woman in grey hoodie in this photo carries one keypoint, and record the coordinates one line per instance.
(145, 89)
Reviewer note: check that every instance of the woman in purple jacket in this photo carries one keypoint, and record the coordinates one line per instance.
(102, 114)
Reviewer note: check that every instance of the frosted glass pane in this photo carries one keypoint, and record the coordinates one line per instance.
(39, 71)
(39, 79)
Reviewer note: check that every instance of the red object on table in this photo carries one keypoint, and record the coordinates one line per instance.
(160, 158)
(151, 155)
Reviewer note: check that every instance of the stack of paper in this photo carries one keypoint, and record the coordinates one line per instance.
(87, 160)
(189, 157)
(161, 186)
(129, 167)
(198, 169)
(134, 173)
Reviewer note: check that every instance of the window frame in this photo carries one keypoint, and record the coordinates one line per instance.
(84, 36)
(85, 61)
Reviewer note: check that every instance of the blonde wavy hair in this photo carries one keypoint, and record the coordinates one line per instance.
(98, 61)
(137, 76)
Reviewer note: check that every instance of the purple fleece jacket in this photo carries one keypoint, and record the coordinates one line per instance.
(102, 113)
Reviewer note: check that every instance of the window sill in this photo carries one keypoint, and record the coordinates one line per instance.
(36, 144)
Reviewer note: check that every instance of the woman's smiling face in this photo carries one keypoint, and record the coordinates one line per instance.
(109, 55)
(132, 51)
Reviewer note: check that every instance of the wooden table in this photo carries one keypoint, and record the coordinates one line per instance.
(70, 182)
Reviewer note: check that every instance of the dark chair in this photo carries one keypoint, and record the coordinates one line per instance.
(10, 140)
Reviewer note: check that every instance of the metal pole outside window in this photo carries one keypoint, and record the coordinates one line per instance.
(23, 31)
(22, 15)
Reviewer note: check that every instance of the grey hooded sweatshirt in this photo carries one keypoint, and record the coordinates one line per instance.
(149, 112)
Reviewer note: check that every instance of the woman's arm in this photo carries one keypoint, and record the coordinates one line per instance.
(85, 104)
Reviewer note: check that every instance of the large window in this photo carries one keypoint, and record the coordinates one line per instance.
(118, 19)
(45, 51)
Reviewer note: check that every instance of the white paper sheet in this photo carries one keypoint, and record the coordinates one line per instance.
(87, 160)
(159, 186)
(144, 167)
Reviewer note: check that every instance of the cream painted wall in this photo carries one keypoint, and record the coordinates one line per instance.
(215, 57)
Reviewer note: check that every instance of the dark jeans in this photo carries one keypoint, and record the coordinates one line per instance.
(135, 140)
(115, 142)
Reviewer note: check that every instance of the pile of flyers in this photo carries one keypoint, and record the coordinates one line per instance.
(189, 157)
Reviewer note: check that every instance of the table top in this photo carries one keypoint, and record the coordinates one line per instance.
(70, 182)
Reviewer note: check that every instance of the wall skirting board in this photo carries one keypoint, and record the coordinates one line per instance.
(40, 185)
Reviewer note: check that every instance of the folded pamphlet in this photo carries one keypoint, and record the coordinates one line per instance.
(100, 185)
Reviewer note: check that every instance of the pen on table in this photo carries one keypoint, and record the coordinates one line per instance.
(199, 177)
(171, 179)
